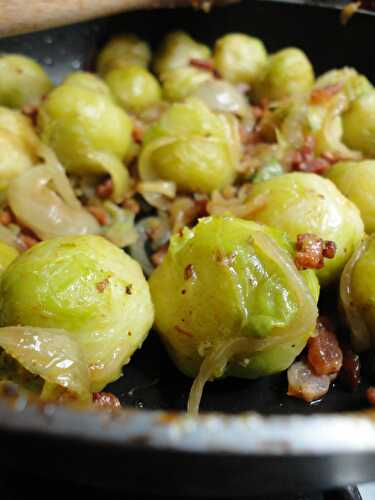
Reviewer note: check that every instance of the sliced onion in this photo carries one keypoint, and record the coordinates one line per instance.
(216, 361)
(360, 335)
(330, 134)
(304, 320)
(121, 231)
(43, 200)
(51, 354)
(304, 384)
(222, 96)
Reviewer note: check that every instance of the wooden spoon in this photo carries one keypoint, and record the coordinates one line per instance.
(21, 16)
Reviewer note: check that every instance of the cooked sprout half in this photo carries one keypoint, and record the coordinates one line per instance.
(23, 82)
(288, 73)
(356, 180)
(230, 301)
(192, 147)
(240, 58)
(359, 124)
(134, 88)
(89, 133)
(176, 51)
(122, 51)
(88, 81)
(299, 203)
(88, 287)
(357, 294)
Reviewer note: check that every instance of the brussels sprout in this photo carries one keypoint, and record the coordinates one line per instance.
(7, 255)
(89, 133)
(18, 145)
(88, 287)
(122, 51)
(182, 82)
(356, 180)
(134, 87)
(22, 81)
(46, 361)
(353, 84)
(240, 58)
(299, 203)
(357, 295)
(359, 124)
(231, 285)
(176, 51)
(88, 81)
(288, 72)
(191, 146)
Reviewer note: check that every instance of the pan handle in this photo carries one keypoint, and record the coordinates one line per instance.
(22, 16)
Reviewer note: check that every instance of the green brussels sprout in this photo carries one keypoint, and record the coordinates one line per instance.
(7, 255)
(359, 124)
(240, 58)
(89, 133)
(357, 295)
(122, 51)
(191, 146)
(356, 180)
(18, 145)
(134, 88)
(176, 51)
(231, 285)
(88, 81)
(48, 362)
(288, 72)
(182, 82)
(299, 203)
(353, 84)
(88, 287)
(22, 81)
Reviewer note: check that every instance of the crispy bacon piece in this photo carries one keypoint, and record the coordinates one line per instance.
(370, 394)
(100, 215)
(206, 64)
(105, 401)
(311, 251)
(158, 257)
(31, 112)
(324, 353)
(324, 94)
(6, 217)
(351, 370)
(304, 159)
(138, 132)
(304, 384)
(105, 189)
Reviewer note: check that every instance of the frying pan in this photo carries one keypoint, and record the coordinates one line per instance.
(251, 438)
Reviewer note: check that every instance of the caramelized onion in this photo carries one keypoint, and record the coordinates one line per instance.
(50, 354)
(44, 201)
(360, 336)
(222, 96)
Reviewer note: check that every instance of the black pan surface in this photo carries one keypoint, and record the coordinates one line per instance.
(150, 380)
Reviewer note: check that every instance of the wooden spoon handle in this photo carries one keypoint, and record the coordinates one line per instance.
(21, 16)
